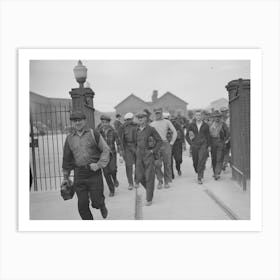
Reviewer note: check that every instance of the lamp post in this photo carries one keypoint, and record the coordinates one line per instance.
(82, 97)
(80, 72)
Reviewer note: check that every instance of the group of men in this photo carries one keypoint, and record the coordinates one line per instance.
(147, 146)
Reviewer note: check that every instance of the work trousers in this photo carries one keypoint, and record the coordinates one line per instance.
(88, 186)
(165, 156)
(130, 159)
(217, 155)
(110, 172)
(226, 157)
(177, 151)
(199, 156)
(145, 172)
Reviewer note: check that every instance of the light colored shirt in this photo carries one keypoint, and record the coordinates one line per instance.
(162, 127)
(198, 124)
(82, 150)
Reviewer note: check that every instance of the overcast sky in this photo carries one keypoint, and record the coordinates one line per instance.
(196, 82)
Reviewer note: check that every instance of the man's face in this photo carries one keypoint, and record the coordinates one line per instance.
(158, 115)
(217, 119)
(198, 116)
(79, 124)
(142, 120)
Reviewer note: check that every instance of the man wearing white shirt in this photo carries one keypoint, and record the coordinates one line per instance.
(162, 126)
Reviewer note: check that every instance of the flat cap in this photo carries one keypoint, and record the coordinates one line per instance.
(77, 115)
(158, 110)
(141, 114)
(128, 116)
(216, 114)
(105, 118)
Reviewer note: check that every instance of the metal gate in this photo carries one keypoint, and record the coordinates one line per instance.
(49, 126)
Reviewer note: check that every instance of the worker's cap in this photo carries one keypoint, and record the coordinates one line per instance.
(157, 110)
(216, 114)
(128, 116)
(223, 109)
(141, 114)
(165, 115)
(77, 115)
(105, 118)
(147, 111)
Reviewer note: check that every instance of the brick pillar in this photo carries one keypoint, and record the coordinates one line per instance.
(82, 99)
(239, 108)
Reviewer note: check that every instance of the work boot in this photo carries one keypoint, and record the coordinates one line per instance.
(159, 186)
(217, 177)
(130, 187)
(148, 203)
(104, 211)
(111, 194)
(179, 172)
(116, 183)
(167, 186)
(199, 181)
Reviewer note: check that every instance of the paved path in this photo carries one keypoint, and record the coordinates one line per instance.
(184, 200)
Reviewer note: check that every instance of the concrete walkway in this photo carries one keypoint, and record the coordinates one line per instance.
(185, 200)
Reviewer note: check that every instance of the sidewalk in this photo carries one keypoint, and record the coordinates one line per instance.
(185, 200)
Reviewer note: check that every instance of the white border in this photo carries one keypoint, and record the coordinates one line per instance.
(254, 55)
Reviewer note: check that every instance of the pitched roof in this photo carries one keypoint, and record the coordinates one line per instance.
(131, 96)
(173, 95)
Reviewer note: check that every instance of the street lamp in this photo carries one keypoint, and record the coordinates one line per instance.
(80, 72)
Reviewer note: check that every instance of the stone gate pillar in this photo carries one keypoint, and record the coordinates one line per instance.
(239, 109)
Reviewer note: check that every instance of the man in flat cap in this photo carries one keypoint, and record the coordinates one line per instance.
(128, 139)
(86, 152)
(198, 138)
(148, 143)
(112, 139)
(118, 124)
(226, 120)
(219, 135)
(162, 126)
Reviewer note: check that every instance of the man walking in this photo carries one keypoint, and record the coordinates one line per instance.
(118, 123)
(226, 152)
(219, 135)
(86, 152)
(162, 126)
(199, 139)
(128, 139)
(177, 148)
(112, 138)
(148, 143)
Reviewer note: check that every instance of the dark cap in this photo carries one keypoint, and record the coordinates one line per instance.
(216, 114)
(158, 110)
(118, 115)
(77, 115)
(141, 114)
(105, 118)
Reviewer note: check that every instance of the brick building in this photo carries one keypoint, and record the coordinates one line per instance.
(167, 101)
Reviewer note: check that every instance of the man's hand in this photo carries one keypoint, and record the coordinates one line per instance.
(184, 147)
(191, 135)
(209, 149)
(94, 166)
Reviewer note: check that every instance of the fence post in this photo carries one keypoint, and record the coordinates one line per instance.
(33, 153)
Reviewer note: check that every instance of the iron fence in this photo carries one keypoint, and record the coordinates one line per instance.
(49, 126)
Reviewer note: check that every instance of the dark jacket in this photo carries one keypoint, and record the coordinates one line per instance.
(148, 139)
(128, 133)
(201, 138)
